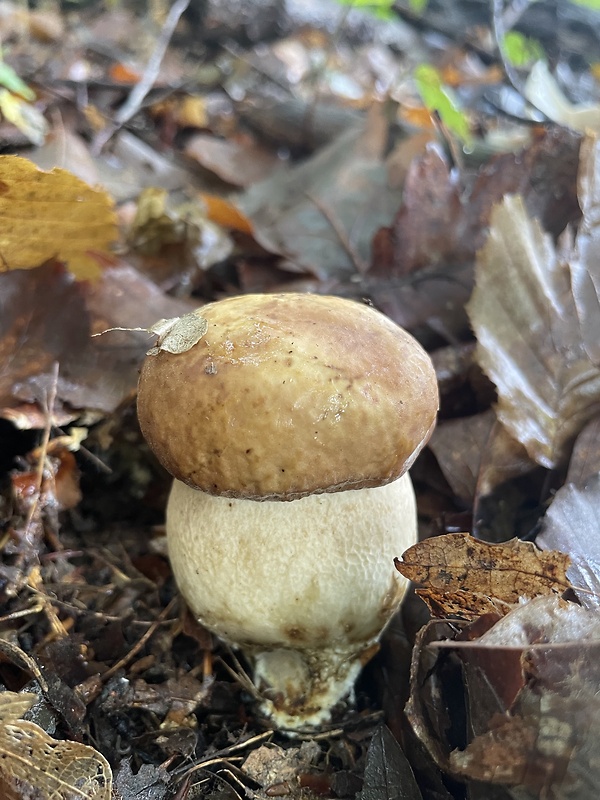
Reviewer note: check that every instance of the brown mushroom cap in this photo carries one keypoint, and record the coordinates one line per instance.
(287, 395)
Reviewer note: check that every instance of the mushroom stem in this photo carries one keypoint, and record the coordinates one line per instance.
(306, 684)
(303, 587)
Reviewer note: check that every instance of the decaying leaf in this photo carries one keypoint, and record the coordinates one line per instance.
(322, 213)
(52, 214)
(179, 230)
(461, 604)
(178, 335)
(585, 256)
(547, 736)
(149, 782)
(572, 523)
(506, 572)
(530, 698)
(388, 775)
(240, 161)
(476, 454)
(32, 763)
(45, 319)
(585, 459)
(529, 340)
(175, 335)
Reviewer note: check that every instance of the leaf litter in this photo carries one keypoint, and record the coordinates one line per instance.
(361, 204)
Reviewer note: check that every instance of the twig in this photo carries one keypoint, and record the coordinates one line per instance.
(43, 448)
(122, 662)
(141, 89)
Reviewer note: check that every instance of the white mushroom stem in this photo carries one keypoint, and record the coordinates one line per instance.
(303, 587)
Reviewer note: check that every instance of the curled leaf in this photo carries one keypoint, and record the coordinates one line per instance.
(529, 338)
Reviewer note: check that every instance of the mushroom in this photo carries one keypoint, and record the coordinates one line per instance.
(289, 428)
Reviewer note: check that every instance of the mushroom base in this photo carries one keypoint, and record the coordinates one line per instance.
(303, 587)
(300, 687)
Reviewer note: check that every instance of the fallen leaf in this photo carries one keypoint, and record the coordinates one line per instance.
(52, 214)
(583, 260)
(542, 91)
(149, 782)
(224, 213)
(32, 763)
(321, 215)
(571, 524)
(476, 454)
(553, 717)
(240, 162)
(388, 774)
(181, 232)
(507, 572)
(462, 604)
(426, 229)
(585, 459)
(530, 705)
(31, 338)
(47, 317)
(422, 265)
(529, 341)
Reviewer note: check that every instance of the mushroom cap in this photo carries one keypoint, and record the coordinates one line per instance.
(289, 395)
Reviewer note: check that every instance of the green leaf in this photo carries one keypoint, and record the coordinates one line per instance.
(593, 4)
(379, 8)
(438, 97)
(521, 50)
(11, 81)
(418, 6)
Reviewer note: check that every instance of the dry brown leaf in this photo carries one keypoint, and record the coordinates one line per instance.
(45, 318)
(538, 667)
(52, 214)
(239, 161)
(476, 454)
(321, 214)
(506, 572)
(461, 604)
(32, 763)
(529, 338)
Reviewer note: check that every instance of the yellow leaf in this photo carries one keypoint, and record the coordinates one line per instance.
(52, 214)
(23, 116)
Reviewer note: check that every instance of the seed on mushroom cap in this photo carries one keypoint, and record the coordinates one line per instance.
(316, 406)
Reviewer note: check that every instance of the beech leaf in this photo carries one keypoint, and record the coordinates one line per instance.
(572, 523)
(52, 215)
(32, 763)
(459, 562)
(529, 339)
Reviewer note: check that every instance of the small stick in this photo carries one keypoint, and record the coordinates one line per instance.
(141, 89)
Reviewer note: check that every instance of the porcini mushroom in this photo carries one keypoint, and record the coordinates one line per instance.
(289, 428)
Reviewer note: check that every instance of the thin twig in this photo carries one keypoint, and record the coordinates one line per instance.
(43, 448)
(122, 662)
(136, 97)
